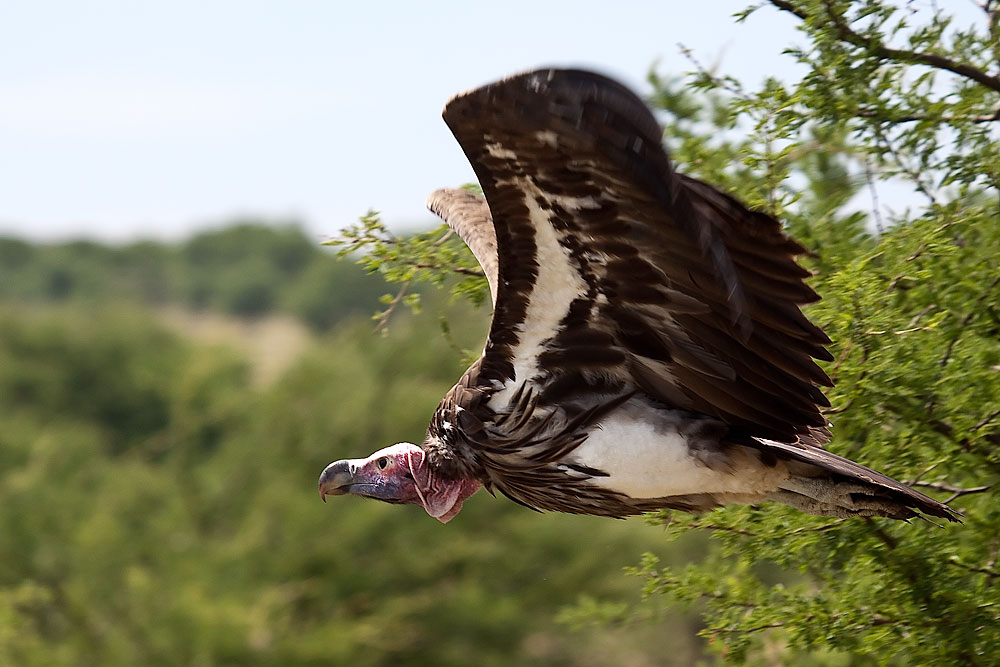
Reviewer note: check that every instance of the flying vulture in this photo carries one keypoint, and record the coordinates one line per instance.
(647, 349)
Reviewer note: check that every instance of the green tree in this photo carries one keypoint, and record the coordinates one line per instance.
(892, 95)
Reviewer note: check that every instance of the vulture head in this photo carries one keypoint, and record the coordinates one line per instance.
(398, 474)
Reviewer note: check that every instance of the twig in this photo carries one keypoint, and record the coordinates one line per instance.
(945, 429)
(889, 540)
(988, 292)
(955, 491)
(880, 332)
(383, 319)
(991, 573)
(986, 421)
(916, 318)
(464, 270)
(916, 117)
(727, 85)
(917, 253)
(992, 9)
(920, 475)
(661, 581)
(913, 174)
(870, 178)
(444, 237)
(740, 531)
(843, 356)
(935, 60)
(724, 529)
(756, 628)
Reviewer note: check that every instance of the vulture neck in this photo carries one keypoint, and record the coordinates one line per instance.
(441, 497)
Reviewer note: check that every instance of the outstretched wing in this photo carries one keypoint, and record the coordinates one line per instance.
(468, 214)
(613, 268)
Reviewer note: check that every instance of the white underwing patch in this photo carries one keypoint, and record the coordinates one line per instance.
(557, 284)
(644, 456)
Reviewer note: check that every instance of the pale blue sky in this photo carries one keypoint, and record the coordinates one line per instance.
(124, 119)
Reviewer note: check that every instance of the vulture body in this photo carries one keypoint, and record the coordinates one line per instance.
(647, 348)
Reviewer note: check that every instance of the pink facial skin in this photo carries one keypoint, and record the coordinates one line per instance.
(398, 474)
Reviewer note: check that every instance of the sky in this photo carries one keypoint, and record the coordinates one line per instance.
(122, 120)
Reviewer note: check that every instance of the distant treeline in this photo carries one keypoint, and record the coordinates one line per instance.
(249, 269)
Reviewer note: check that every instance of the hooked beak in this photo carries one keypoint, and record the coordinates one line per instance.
(336, 479)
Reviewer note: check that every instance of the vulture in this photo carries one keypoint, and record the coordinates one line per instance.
(647, 349)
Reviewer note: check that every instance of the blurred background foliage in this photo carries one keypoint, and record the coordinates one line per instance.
(157, 494)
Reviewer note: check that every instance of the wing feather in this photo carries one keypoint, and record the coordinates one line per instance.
(682, 292)
(469, 215)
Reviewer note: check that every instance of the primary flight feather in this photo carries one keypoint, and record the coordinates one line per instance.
(647, 348)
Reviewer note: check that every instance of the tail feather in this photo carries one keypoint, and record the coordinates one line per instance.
(831, 485)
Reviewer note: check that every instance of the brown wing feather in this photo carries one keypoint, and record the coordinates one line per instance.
(692, 297)
(468, 214)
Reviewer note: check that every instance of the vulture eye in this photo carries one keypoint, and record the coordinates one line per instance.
(382, 463)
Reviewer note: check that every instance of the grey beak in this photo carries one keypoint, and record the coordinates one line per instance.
(336, 479)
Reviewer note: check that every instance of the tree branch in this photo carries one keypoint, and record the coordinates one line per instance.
(912, 173)
(463, 270)
(741, 531)
(975, 310)
(888, 539)
(935, 60)
(955, 491)
(728, 85)
(916, 117)
(971, 568)
(986, 421)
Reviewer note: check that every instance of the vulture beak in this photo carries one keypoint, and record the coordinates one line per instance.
(336, 479)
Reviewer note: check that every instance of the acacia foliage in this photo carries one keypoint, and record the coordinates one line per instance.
(894, 98)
